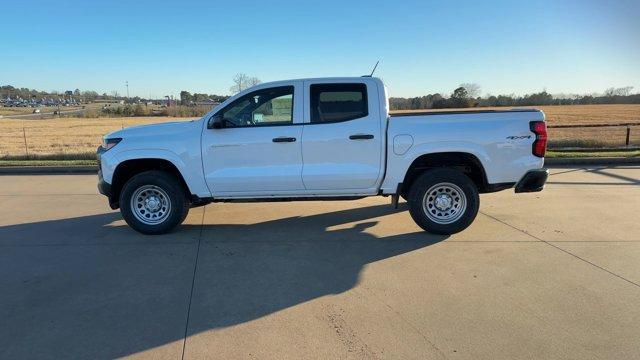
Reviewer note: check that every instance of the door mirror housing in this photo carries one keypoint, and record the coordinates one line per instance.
(216, 122)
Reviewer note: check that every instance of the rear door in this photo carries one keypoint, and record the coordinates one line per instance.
(258, 151)
(342, 143)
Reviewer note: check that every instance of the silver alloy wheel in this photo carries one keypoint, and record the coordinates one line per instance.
(150, 204)
(444, 203)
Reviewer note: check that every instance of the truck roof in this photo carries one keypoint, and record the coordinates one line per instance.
(323, 79)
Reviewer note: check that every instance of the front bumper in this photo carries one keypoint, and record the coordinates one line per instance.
(103, 187)
(532, 181)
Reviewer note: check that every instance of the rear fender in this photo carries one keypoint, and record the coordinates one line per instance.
(398, 165)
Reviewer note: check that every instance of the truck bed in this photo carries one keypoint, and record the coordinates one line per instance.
(501, 140)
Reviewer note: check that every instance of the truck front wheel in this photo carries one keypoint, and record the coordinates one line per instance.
(153, 202)
(443, 201)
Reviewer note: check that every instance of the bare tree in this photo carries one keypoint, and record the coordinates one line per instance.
(241, 81)
(253, 81)
(473, 90)
(622, 91)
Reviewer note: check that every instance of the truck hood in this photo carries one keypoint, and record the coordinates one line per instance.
(166, 128)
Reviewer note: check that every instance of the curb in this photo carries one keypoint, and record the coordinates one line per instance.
(635, 160)
(47, 170)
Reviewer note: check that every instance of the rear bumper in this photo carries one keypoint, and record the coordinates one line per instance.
(532, 181)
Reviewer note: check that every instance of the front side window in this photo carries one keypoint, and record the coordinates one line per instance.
(272, 106)
(338, 102)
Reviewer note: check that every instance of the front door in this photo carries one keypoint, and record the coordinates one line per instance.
(257, 148)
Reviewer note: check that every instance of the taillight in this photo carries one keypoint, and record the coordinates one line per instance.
(540, 143)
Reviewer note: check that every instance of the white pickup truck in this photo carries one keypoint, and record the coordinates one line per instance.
(322, 139)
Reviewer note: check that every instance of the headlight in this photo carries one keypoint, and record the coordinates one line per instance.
(109, 143)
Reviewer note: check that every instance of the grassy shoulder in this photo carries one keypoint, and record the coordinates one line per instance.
(586, 154)
(9, 163)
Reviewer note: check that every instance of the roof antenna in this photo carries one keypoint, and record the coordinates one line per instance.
(374, 69)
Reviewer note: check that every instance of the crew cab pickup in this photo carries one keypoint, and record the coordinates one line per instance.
(322, 139)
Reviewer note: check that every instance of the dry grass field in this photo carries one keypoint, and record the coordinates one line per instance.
(71, 138)
(62, 138)
(592, 114)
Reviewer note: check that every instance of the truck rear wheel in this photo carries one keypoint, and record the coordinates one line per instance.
(153, 202)
(443, 201)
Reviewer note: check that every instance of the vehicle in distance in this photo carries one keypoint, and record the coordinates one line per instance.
(322, 139)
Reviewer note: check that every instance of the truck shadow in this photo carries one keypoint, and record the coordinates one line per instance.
(99, 296)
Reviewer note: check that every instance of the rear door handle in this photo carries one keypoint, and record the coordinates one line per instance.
(284, 139)
(361, 137)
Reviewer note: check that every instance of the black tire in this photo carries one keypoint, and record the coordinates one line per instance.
(435, 181)
(165, 182)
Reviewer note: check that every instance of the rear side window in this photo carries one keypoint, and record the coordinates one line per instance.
(338, 102)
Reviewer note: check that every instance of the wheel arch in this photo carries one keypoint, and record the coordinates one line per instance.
(465, 162)
(129, 168)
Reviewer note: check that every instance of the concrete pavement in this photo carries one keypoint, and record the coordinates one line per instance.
(554, 274)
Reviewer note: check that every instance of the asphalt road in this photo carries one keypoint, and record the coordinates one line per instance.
(549, 275)
(43, 115)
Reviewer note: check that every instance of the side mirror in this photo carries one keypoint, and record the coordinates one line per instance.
(216, 122)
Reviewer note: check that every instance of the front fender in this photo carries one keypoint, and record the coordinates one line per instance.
(189, 168)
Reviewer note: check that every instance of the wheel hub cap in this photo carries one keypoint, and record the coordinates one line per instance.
(444, 203)
(150, 204)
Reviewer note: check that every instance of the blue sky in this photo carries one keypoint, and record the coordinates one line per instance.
(424, 46)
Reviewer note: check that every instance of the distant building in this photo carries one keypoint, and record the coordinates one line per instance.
(208, 102)
(108, 101)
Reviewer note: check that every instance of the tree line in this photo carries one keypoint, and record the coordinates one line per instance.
(8, 91)
(186, 98)
(464, 96)
(467, 95)
(240, 82)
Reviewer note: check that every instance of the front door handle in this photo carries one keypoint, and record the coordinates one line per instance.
(361, 137)
(284, 139)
